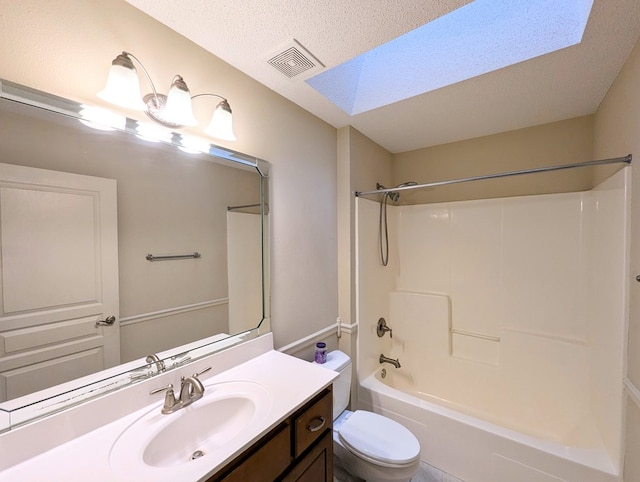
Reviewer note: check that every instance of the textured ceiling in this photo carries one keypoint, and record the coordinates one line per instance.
(564, 84)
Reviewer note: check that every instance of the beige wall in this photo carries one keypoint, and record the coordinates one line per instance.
(617, 130)
(552, 144)
(361, 163)
(65, 47)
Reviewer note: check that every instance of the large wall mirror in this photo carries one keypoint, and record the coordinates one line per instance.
(122, 252)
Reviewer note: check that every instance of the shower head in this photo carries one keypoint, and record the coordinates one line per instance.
(384, 235)
(394, 195)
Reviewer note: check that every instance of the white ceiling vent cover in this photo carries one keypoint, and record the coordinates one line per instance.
(292, 60)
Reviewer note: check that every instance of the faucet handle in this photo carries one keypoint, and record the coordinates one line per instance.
(382, 328)
(162, 389)
(140, 374)
(179, 360)
(170, 402)
(203, 371)
(195, 375)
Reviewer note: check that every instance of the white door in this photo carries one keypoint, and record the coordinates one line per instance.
(58, 277)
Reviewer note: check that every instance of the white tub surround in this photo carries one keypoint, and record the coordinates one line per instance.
(76, 444)
(508, 319)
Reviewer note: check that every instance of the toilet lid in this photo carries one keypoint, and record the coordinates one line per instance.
(379, 439)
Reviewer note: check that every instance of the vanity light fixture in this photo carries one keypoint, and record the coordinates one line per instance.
(172, 110)
(193, 145)
(101, 119)
(152, 133)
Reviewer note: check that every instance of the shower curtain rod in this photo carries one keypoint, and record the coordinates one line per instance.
(244, 206)
(615, 160)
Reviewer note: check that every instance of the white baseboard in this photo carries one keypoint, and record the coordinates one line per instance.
(302, 343)
(130, 320)
(337, 328)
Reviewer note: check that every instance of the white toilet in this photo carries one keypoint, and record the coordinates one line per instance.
(369, 446)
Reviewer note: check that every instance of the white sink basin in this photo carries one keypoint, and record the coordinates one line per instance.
(199, 433)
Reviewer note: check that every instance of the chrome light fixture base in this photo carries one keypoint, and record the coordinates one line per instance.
(156, 104)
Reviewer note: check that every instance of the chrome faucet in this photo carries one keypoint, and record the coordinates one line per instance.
(159, 363)
(384, 359)
(191, 389)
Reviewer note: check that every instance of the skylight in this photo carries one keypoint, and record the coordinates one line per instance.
(482, 36)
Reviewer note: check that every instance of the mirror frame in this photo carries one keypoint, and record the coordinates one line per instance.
(14, 413)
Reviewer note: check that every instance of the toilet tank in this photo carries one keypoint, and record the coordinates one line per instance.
(340, 362)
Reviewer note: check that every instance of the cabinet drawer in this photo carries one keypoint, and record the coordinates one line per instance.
(313, 422)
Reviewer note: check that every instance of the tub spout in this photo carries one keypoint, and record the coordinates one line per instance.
(384, 359)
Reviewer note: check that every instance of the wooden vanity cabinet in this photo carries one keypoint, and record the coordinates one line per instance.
(317, 465)
(300, 449)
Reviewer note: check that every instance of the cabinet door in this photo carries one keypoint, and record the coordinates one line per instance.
(317, 465)
(266, 461)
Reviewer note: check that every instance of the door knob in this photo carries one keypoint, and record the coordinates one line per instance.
(108, 321)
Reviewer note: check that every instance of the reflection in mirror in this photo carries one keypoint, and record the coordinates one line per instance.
(81, 210)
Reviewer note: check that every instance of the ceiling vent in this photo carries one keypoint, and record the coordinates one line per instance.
(293, 60)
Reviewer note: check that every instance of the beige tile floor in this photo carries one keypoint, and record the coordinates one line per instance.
(426, 473)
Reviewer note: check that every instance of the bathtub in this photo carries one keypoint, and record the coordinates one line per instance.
(459, 442)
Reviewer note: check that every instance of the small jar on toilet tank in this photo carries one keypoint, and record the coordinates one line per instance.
(321, 352)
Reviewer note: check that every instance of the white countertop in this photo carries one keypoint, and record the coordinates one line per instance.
(291, 381)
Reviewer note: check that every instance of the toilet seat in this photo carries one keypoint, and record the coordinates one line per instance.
(379, 440)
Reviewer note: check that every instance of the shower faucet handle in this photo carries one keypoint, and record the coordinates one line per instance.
(382, 328)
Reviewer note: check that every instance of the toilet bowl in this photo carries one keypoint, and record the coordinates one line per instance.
(368, 445)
